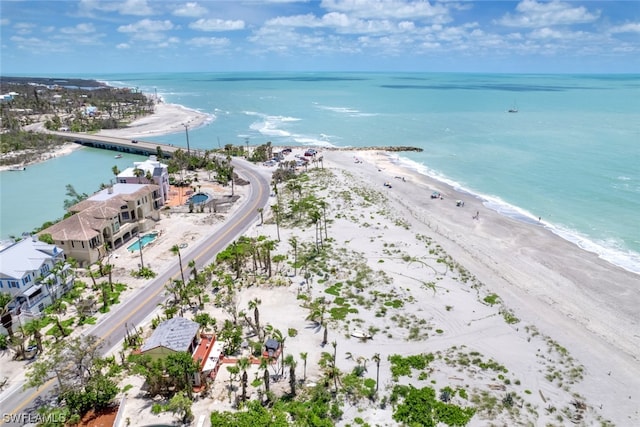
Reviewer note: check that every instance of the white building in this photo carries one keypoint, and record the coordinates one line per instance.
(34, 273)
(158, 172)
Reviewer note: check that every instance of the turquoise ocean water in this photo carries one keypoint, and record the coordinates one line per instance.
(570, 155)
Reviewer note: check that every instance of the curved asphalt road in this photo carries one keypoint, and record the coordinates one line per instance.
(18, 407)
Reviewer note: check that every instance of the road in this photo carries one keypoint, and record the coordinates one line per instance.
(18, 406)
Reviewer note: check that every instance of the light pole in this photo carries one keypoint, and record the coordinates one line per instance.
(186, 130)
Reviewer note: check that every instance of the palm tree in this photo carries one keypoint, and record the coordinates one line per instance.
(376, 359)
(175, 249)
(291, 363)
(253, 304)
(192, 266)
(293, 241)
(233, 371)
(315, 219)
(138, 173)
(276, 210)
(277, 335)
(115, 170)
(33, 328)
(243, 364)
(303, 356)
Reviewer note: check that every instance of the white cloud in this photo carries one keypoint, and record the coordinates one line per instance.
(342, 23)
(128, 7)
(532, 14)
(4, 21)
(389, 9)
(123, 46)
(78, 29)
(216, 42)
(191, 9)
(23, 28)
(146, 25)
(630, 27)
(216, 25)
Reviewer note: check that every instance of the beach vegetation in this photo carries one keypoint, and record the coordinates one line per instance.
(413, 406)
(509, 316)
(491, 299)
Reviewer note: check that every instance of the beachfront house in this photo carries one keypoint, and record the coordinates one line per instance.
(107, 220)
(142, 171)
(34, 273)
(179, 334)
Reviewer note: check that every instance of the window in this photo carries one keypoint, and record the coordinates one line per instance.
(125, 216)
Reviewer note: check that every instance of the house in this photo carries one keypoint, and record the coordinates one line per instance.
(181, 335)
(34, 273)
(272, 349)
(106, 220)
(158, 172)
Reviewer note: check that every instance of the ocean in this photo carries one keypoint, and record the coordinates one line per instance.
(570, 155)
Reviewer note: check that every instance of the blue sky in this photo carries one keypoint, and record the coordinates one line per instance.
(528, 36)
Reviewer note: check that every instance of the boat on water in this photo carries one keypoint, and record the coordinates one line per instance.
(17, 168)
(118, 156)
(512, 110)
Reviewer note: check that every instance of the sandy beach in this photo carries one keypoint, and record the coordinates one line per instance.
(574, 340)
(166, 119)
(456, 280)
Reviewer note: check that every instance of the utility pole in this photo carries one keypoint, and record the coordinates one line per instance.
(186, 130)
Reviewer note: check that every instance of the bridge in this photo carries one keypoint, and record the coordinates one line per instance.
(123, 145)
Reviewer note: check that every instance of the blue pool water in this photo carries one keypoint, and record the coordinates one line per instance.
(144, 241)
(198, 198)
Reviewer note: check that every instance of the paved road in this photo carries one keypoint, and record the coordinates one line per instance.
(18, 406)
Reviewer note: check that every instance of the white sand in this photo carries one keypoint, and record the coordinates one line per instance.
(564, 297)
(166, 119)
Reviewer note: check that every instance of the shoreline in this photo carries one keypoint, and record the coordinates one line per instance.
(629, 261)
(166, 119)
(588, 272)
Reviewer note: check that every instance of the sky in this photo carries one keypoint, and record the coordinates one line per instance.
(131, 36)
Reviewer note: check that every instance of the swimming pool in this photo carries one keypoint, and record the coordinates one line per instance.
(198, 198)
(144, 241)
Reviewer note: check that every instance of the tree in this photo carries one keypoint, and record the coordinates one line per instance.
(115, 170)
(291, 363)
(138, 173)
(175, 249)
(243, 364)
(6, 318)
(180, 404)
(181, 367)
(303, 356)
(253, 304)
(34, 328)
(376, 359)
(276, 211)
(74, 196)
(293, 241)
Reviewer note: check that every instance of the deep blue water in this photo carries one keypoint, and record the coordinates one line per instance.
(570, 155)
